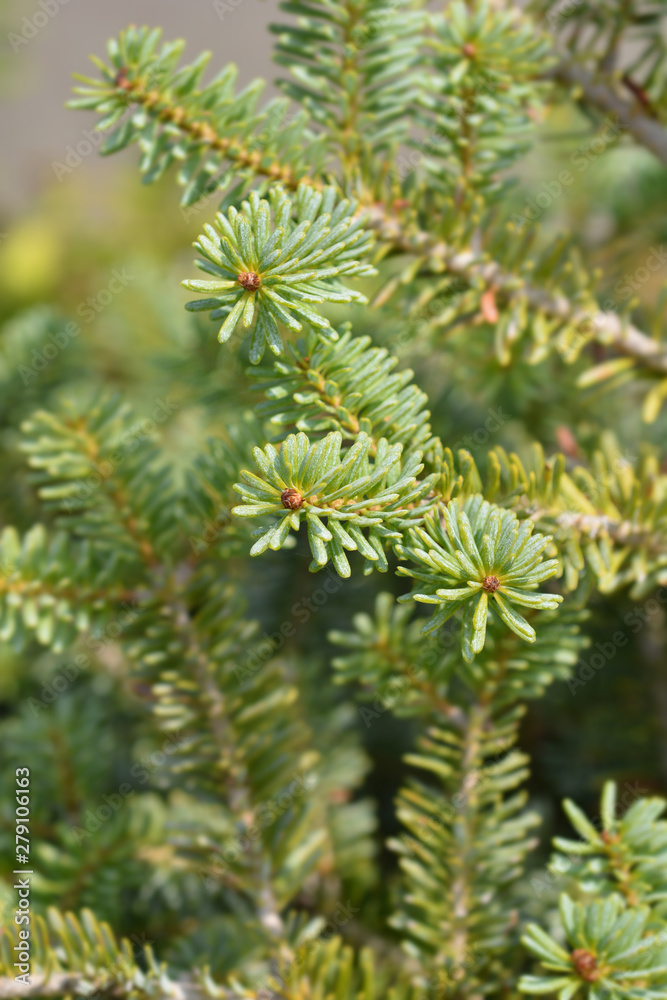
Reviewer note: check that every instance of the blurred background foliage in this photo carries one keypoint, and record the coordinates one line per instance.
(60, 246)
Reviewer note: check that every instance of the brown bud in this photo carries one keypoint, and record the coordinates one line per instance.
(469, 50)
(249, 280)
(121, 79)
(586, 964)
(291, 499)
(208, 135)
(567, 442)
(491, 584)
(488, 306)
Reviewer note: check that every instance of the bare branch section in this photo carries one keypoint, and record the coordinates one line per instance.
(607, 328)
(599, 93)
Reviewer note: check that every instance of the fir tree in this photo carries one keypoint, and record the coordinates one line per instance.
(240, 832)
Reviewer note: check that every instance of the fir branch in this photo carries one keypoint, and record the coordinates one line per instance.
(388, 654)
(611, 59)
(200, 128)
(346, 386)
(243, 741)
(597, 91)
(485, 64)
(591, 322)
(608, 516)
(467, 841)
(462, 852)
(609, 953)
(253, 260)
(466, 837)
(605, 514)
(99, 469)
(56, 985)
(354, 68)
(483, 273)
(54, 590)
(227, 761)
(475, 558)
(619, 854)
(314, 483)
(82, 956)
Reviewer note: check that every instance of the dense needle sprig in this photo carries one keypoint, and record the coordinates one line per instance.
(273, 260)
(609, 953)
(476, 557)
(350, 491)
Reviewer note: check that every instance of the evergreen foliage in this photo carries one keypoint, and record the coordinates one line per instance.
(257, 268)
(493, 559)
(314, 482)
(226, 806)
